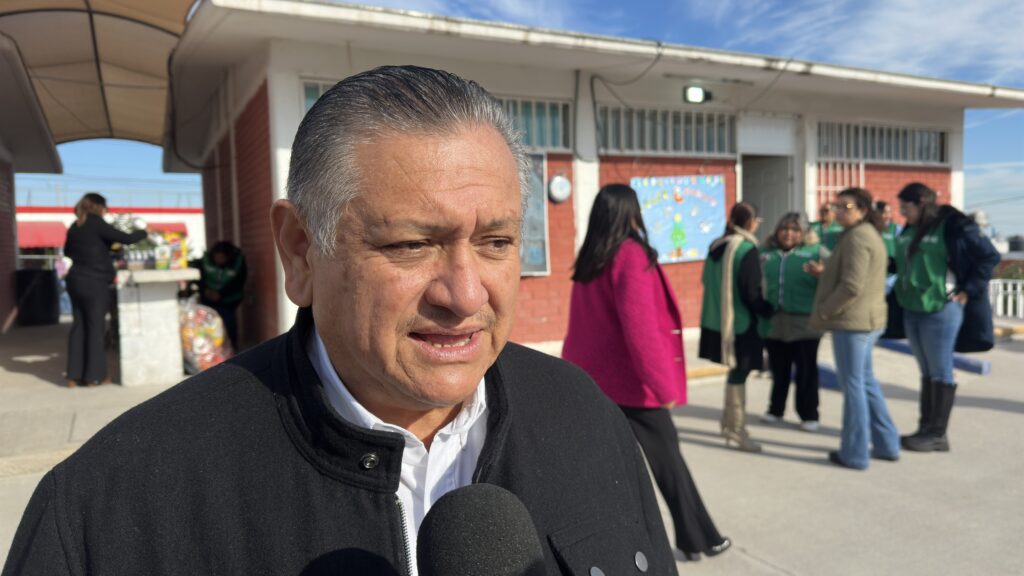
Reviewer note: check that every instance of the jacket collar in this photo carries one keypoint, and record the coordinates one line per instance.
(370, 459)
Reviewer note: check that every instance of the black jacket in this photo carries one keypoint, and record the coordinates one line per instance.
(88, 246)
(972, 259)
(243, 469)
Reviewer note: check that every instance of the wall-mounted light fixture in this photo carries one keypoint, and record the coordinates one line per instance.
(696, 95)
(559, 189)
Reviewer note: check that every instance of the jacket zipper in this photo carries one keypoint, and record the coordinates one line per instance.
(405, 535)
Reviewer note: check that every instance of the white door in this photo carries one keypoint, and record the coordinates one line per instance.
(768, 185)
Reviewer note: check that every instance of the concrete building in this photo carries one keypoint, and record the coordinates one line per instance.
(784, 134)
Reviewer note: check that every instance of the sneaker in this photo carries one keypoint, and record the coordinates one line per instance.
(770, 418)
(810, 426)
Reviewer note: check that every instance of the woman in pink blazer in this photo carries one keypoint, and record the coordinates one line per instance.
(625, 331)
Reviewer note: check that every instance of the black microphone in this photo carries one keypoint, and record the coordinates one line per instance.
(479, 530)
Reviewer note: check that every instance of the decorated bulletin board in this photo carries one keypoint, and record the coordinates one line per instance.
(683, 214)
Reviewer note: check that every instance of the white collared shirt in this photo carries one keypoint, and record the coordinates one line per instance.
(426, 475)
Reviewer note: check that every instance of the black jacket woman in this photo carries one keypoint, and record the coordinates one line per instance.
(88, 283)
(943, 267)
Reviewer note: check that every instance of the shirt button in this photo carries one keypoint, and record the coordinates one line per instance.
(595, 571)
(641, 561)
(369, 461)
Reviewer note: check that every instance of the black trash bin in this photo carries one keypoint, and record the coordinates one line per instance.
(38, 297)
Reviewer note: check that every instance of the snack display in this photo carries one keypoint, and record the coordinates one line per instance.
(203, 342)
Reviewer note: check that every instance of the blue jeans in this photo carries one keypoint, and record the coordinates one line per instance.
(866, 420)
(932, 337)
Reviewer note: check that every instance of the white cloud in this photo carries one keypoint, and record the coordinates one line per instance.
(976, 40)
(998, 189)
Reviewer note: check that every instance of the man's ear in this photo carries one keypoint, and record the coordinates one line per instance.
(295, 246)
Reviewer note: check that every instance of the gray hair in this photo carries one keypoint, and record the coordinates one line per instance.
(323, 176)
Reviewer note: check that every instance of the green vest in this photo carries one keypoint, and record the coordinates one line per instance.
(921, 280)
(787, 287)
(218, 278)
(829, 237)
(711, 310)
(889, 237)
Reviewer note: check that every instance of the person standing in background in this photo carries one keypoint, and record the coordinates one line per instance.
(890, 229)
(732, 303)
(827, 228)
(943, 265)
(625, 331)
(850, 301)
(88, 244)
(222, 274)
(791, 344)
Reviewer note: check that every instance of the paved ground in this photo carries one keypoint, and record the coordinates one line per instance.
(788, 510)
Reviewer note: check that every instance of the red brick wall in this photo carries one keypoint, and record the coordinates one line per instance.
(885, 181)
(255, 194)
(258, 313)
(542, 311)
(685, 277)
(8, 249)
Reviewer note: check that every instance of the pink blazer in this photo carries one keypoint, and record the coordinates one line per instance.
(625, 330)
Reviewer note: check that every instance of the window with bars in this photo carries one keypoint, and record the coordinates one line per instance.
(545, 124)
(877, 143)
(666, 131)
(312, 91)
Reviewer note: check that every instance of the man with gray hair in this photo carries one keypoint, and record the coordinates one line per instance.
(321, 450)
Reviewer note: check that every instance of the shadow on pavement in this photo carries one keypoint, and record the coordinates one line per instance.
(821, 459)
(895, 392)
(38, 351)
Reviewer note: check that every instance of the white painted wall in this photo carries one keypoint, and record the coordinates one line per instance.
(586, 174)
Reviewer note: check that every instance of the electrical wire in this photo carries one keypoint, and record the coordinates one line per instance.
(770, 84)
(995, 201)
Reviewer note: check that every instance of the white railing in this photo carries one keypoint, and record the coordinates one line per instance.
(1007, 297)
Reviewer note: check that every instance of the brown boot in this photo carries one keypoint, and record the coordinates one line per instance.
(734, 419)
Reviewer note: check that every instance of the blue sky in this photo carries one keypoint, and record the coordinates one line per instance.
(970, 40)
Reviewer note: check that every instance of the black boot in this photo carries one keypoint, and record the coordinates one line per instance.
(935, 440)
(925, 407)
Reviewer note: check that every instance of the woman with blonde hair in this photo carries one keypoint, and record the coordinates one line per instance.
(88, 284)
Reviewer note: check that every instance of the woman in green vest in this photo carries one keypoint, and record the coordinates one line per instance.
(943, 267)
(827, 228)
(791, 344)
(728, 324)
(890, 230)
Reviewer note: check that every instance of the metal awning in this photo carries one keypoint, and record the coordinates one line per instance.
(98, 67)
(173, 227)
(46, 234)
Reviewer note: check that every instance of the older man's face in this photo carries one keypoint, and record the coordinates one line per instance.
(419, 298)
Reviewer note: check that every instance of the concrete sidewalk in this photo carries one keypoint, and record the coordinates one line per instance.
(788, 510)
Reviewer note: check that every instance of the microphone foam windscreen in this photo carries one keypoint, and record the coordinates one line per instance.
(479, 530)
